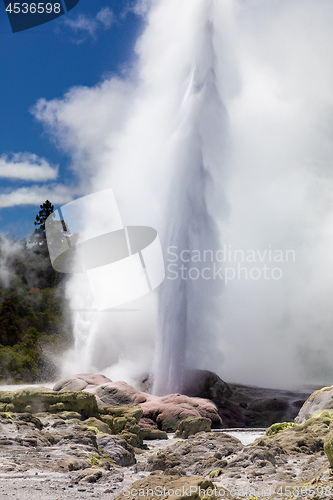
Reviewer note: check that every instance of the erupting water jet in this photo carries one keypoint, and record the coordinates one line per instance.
(224, 124)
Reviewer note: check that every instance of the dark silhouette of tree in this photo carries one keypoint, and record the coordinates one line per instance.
(39, 236)
(44, 273)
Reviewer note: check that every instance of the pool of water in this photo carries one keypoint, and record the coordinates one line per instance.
(246, 436)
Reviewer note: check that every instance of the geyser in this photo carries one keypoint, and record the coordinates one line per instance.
(221, 134)
(189, 308)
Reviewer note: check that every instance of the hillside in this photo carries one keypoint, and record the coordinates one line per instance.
(35, 322)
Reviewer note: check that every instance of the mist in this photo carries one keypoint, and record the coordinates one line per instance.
(9, 251)
(242, 92)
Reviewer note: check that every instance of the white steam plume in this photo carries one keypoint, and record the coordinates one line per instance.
(255, 79)
(9, 250)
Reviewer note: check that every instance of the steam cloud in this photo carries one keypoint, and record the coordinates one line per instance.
(241, 91)
(8, 252)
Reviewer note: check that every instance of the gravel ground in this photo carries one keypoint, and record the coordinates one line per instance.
(39, 485)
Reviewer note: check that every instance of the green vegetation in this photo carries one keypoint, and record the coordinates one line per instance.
(34, 314)
(215, 473)
(278, 427)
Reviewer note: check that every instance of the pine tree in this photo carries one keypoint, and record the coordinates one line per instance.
(39, 236)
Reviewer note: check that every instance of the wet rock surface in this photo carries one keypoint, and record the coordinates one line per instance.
(69, 461)
(79, 449)
(39, 400)
(197, 455)
(53, 443)
(192, 425)
(307, 437)
(260, 407)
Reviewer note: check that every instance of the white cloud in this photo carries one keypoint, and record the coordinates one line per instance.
(85, 26)
(31, 168)
(28, 167)
(141, 8)
(33, 195)
(82, 24)
(85, 121)
(138, 7)
(106, 17)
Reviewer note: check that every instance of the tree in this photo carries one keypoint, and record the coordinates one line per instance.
(39, 236)
(44, 273)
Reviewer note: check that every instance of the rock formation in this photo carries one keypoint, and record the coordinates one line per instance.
(317, 401)
(163, 412)
(64, 442)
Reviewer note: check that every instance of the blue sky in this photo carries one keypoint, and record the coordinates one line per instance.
(93, 41)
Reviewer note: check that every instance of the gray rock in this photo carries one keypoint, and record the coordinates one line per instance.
(292, 438)
(40, 400)
(70, 384)
(117, 448)
(80, 382)
(192, 425)
(328, 447)
(250, 406)
(111, 395)
(149, 433)
(96, 423)
(266, 411)
(206, 384)
(318, 401)
(254, 461)
(199, 454)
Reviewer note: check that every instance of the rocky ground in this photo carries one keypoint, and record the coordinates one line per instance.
(70, 461)
(62, 445)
